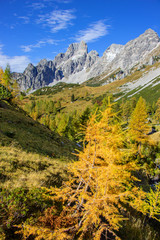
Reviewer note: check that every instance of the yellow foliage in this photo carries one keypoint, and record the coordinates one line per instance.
(7, 81)
(15, 88)
(157, 114)
(101, 180)
(139, 126)
(1, 76)
(151, 204)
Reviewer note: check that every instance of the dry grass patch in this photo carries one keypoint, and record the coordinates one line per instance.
(155, 137)
(21, 169)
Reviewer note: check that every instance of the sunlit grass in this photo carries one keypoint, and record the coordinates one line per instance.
(21, 169)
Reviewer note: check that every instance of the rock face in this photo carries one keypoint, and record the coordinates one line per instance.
(136, 49)
(112, 52)
(37, 77)
(127, 56)
(77, 65)
(63, 66)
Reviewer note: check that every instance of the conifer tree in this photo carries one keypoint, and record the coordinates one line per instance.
(4, 92)
(58, 105)
(101, 183)
(126, 110)
(157, 113)
(50, 107)
(133, 103)
(151, 204)
(72, 98)
(32, 106)
(138, 125)
(52, 123)
(62, 124)
(85, 116)
(6, 79)
(38, 109)
(1, 75)
(54, 110)
(15, 89)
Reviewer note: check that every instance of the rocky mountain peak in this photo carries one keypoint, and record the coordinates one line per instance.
(127, 56)
(111, 52)
(30, 66)
(149, 38)
(43, 62)
(136, 49)
(150, 31)
(83, 46)
(92, 57)
(76, 48)
(30, 70)
(77, 65)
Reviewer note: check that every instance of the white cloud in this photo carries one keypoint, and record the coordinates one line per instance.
(58, 1)
(39, 44)
(63, 1)
(25, 19)
(93, 32)
(44, 3)
(17, 63)
(57, 20)
(38, 5)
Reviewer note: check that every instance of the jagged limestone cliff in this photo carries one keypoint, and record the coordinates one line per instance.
(77, 65)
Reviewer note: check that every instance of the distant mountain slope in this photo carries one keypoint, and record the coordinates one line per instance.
(77, 65)
(147, 86)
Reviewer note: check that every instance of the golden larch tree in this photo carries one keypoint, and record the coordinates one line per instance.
(100, 185)
(6, 77)
(157, 113)
(139, 125)
(1, 75)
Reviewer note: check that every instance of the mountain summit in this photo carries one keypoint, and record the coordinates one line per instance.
(77, 65)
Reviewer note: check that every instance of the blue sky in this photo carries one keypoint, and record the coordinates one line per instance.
(31, 30)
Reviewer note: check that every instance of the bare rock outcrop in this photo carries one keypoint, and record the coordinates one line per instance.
(127, 56)
(62, 67)
(77, 65)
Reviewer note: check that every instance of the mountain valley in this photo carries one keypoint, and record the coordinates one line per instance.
(80, 143)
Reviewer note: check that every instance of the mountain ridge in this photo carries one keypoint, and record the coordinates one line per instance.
(77, 65)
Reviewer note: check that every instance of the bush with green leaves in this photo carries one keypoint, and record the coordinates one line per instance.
(18, 205)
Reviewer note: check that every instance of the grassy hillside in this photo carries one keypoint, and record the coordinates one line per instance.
(151, 93)
(31, 155)
(20, 130)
